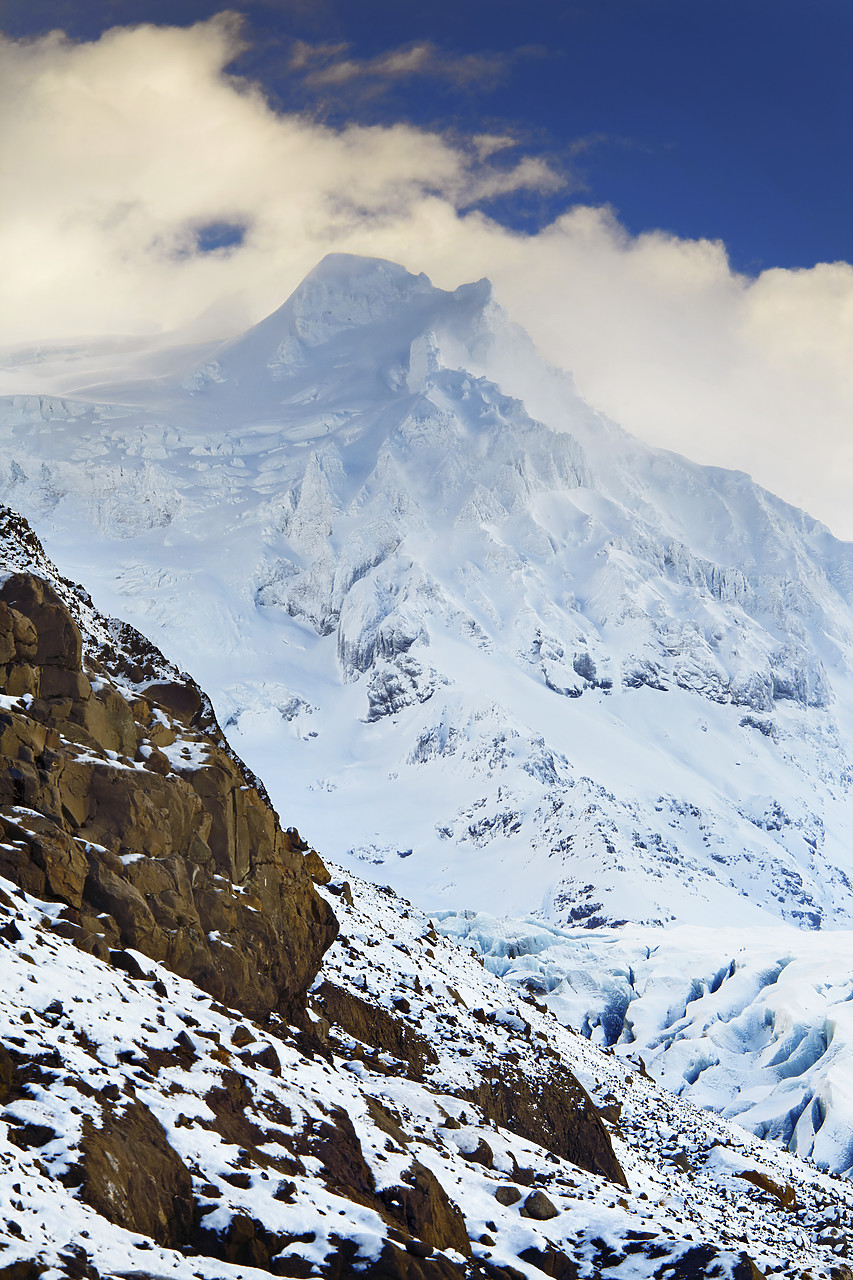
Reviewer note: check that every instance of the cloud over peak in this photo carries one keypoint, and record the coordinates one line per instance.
(143, 186)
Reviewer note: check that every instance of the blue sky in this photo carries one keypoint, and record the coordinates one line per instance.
(730, 119)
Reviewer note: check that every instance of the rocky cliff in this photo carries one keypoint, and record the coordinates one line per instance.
(120, 799)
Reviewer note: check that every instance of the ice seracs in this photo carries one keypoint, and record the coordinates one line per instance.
(754, 1024)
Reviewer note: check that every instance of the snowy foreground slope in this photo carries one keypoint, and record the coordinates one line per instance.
(490, 649)
(255, 1121)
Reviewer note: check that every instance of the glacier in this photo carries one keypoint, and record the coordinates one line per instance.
(756, 1026)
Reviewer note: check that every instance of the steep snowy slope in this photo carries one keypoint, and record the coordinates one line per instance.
(262, 1156)
(490, 649)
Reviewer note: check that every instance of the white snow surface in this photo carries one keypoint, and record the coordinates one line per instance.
(485, 645)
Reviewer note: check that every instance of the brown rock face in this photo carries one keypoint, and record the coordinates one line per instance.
(554, 1111)
(57, 637)
(784, 1194)
(424, 1208)
(374, 1026)
(551, 1109)
(179, 854)
(132, 1177)
(7, 1071)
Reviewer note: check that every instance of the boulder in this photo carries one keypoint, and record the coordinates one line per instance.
(539, 1207)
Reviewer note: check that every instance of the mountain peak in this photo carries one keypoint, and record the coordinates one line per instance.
(349, 275)
(369, 310)
(350, 268)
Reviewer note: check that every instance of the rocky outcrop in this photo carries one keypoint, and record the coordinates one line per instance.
(120, 799)
(551, 1108)
(423, 1207)
(554, 1111)
(376, 1027)
(133, 1177)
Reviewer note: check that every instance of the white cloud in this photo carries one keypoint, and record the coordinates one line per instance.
(117, 153)
(328, 64)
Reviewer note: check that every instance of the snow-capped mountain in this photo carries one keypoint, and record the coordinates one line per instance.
(485, 645)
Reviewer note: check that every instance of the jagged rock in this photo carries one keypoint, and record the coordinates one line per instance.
(266, 1058)
(388, 1123)
(376, 1027)
(241, 1037)
(57, 864)
(700, 1262)
(553, 1110)
(316, 867)
(7, 1072)
(425, 1209)
(181, 700)
(133, 1177)
(481, 1154)
(745, 1269)
(27, 1136)
(335, 1143)
(107, 721)
(785, 1195)
(245, 1242)
(129, 964)
(23, 1270)
(551, 1262)
(58, 642)
(396, 1263)
(188, 864)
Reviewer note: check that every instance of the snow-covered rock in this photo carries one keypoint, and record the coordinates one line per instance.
(280, 1153)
